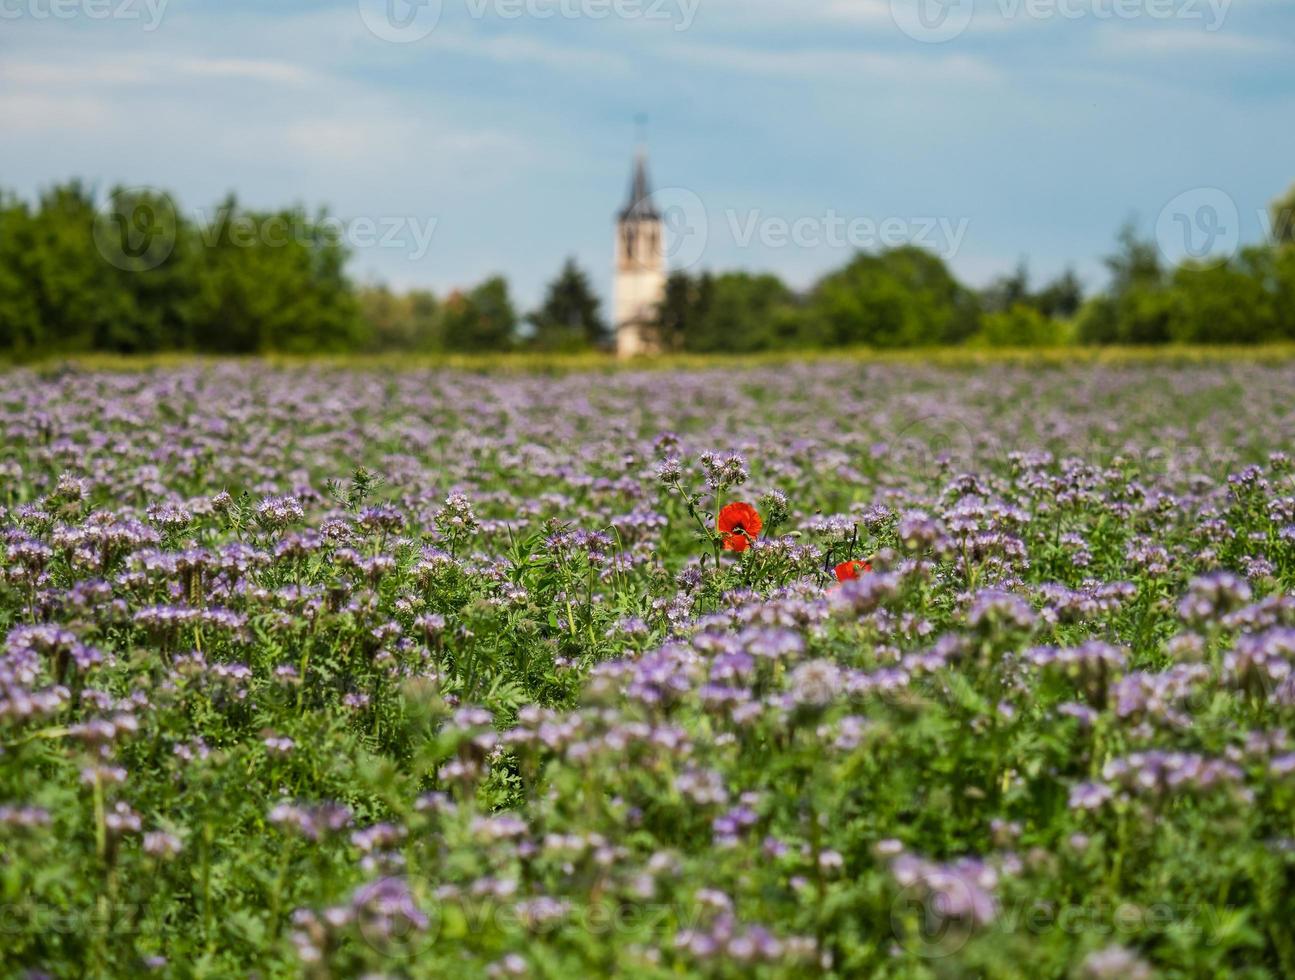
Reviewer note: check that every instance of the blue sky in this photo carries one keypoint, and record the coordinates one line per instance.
(505, 127)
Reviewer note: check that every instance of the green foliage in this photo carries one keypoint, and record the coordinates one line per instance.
(735, 312)
(551, 727)
(569, 318)
(1225, 303)
(1282, 218)
(480, 320)
(1061, 298)
(1247, 299)
(134, 274)
(904, 297)
(59, 292)
(686, 302)
(404, 322)
(1137, 308)
(272, 281)
(1019, 326)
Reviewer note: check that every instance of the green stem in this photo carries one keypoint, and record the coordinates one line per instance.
(276, 895)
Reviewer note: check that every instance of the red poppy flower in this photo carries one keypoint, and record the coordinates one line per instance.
(852, 569)
(740, 524)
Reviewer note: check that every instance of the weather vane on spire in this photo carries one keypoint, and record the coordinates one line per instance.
(640, 127)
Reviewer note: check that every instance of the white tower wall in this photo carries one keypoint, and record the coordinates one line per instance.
(640, 275)
(639, 286)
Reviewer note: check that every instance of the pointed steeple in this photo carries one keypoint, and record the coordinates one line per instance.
(640, 206)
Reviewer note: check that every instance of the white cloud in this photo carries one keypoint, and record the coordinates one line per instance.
(145, 69)
(805, 13)
(516, 49)
(49, 74)
(1125, 41)
(48, 113)
(412, 147)
(248, 69)
(839, 64)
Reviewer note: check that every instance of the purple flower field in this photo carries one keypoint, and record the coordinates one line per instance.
(341, 672)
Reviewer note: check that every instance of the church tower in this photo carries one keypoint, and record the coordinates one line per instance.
(640, 268)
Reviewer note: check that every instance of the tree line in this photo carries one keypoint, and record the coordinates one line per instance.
(132, 274)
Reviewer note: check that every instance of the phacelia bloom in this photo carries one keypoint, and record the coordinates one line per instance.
(740, 524)
(160, 844)
(815, 683)
(851, 569)
(1111, 963)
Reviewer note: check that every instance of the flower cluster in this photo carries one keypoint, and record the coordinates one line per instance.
(330, 672)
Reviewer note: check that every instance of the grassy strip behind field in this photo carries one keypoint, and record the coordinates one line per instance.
(546, 363)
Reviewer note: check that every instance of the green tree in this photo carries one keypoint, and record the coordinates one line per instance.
(1021, 326)
(904, 297)
(274, 281)
(1137, 308)
(741, 312)
(1008, 291)
(569, 318)
(685, 303)
(1061, 298)
(1282, 215)
(1224, 304)
(732, 312)
(76, 277)
(21, 324)
(1282, 279)
(481, 320)
(151, 261)
(400, 321)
